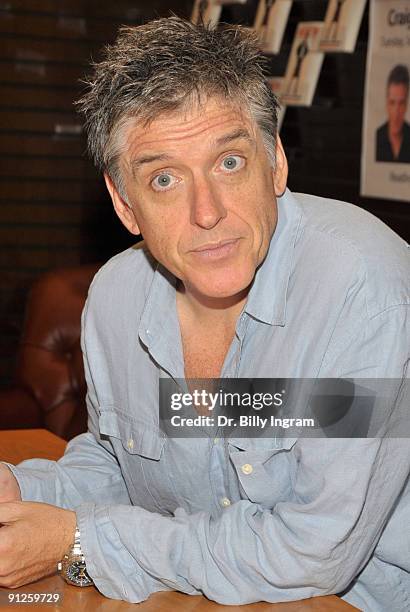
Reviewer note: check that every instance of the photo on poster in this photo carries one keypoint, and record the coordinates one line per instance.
(270, 23)
(341, 26)
(304, 65)
(276, 84)
(386, 125)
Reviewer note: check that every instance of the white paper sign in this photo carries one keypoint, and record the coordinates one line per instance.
(386, 125)
(342, 23)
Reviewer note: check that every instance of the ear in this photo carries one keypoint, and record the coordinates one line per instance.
(280, 171)
(122, 208)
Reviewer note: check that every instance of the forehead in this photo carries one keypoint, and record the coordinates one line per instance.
(397, 91)
(194, 124)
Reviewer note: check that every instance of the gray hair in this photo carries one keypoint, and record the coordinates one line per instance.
(165, 64)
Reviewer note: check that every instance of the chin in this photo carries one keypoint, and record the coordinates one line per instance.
(223, 288)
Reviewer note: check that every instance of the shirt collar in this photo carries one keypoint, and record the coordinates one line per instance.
(268, 294)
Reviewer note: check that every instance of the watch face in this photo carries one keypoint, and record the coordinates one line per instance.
(77, 573)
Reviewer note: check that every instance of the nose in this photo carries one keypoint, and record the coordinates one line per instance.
(207, 208)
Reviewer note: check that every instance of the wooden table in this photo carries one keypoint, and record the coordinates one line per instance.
(15, 446)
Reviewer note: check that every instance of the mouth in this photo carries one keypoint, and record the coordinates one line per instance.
(216, 250)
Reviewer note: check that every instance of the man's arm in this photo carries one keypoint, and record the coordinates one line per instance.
(313, 543)
(88, 471)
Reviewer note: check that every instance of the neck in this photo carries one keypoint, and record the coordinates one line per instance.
(396, 136)
(210, 311)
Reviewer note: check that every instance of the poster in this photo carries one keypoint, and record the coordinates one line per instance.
(386, 118)
(342, 23)
(304, 65)
(276, 84)
(270, 23)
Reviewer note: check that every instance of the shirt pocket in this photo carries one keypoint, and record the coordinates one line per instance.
(265, 468)
(139, 449)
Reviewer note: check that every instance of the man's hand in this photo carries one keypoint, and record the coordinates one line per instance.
(34, 537)
(9, 489)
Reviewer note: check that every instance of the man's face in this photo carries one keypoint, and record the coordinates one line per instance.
(201, 191)
(397, 96)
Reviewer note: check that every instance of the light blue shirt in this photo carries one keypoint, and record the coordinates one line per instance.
(244, 520)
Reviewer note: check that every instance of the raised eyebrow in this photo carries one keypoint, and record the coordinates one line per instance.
(138, 162)
(235, 135)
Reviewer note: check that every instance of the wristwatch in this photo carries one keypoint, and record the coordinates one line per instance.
(72, 567)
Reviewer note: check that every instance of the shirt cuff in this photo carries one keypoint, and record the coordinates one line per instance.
(115, 573)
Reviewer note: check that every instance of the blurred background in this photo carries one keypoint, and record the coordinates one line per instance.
(54, 210)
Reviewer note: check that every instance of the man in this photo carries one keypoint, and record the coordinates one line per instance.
(236, 278)
(393, 137)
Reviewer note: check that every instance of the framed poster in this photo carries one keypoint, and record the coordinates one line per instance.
(304, 65)
(341, 26)
(385, 171)
(270, 23)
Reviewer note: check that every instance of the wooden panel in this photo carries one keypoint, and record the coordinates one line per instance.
(35, 97)
(26, 121)
(31, 260)
(51, 235)
(123, 10)
(43, 213)
(64, 191)
(40, 50)
(42, 145)
(59, 169)
(39, 73)
(60, 27)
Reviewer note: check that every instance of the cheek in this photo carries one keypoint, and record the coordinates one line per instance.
(161, 234)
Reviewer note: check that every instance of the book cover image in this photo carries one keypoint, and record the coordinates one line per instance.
(341, 25)
(270, 23)
(206, 11)
(304, 65)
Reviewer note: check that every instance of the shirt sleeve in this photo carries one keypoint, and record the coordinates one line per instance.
(313, 543)
(88, 471)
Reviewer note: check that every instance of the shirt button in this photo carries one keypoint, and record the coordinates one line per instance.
(216, 440)
(247, 468)
(225, 502)
(130, 444)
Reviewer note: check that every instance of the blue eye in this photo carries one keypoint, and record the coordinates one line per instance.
(162, 181)
(233, 162)
(230, 162)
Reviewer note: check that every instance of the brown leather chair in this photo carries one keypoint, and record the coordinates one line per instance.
(49, 389)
